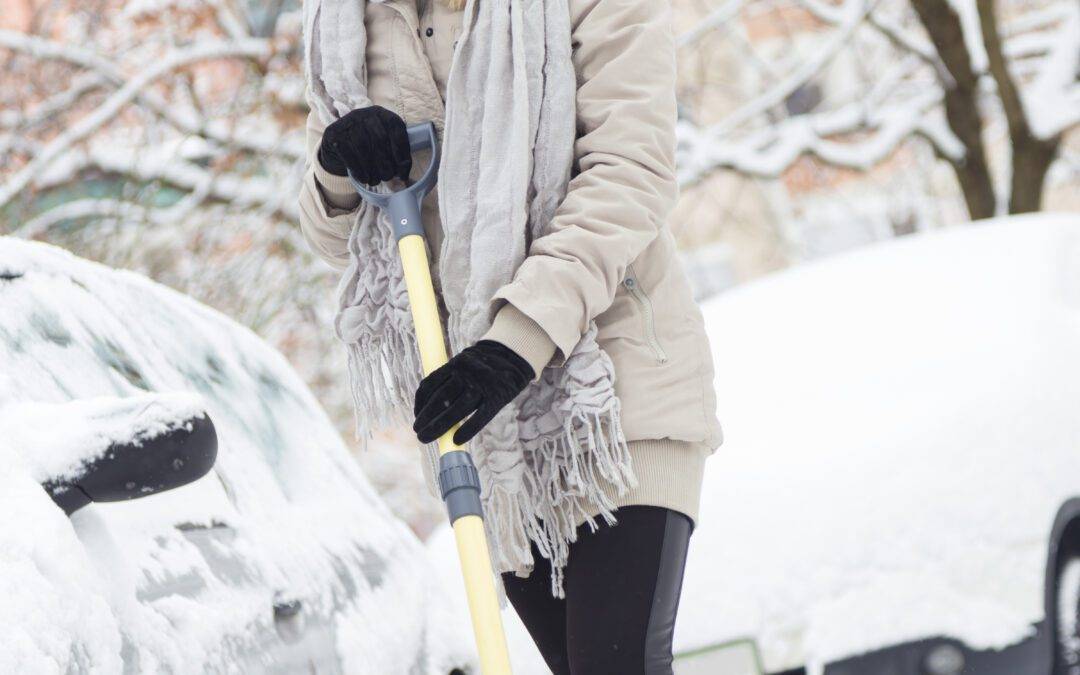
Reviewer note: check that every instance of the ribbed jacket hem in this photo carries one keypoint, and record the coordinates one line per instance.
(524, 336)
(669, 475)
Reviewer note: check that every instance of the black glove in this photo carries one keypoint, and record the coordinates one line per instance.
(371, 142)
(479, 381)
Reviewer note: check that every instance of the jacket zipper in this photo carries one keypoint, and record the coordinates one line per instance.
(634, 288)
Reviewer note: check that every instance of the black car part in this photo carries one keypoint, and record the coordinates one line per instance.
(141, 467)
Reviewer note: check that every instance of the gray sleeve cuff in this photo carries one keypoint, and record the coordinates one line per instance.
(337, 191)
(524, 336)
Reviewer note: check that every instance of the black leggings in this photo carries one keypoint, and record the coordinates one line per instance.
(622, 593)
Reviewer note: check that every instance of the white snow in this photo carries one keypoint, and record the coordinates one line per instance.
(525, 659)
(1052, 103)
(285, 512)
(900, 427)
(53, 595)
(55, 439)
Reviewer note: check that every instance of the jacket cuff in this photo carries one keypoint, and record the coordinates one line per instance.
(337, 191)
(554, 318)
(523, 336)
(326, 231)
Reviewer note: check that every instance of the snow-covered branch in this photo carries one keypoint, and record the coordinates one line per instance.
(1052, 101)
(828, 136)
(183, 118)
(905, 40)
(718, 18)
(229, 22)
(967, 70)
(999, 70)
(769, 152)
(42, 49)
(91, 208)
(854, 11)
(268, 194)
(1031, 156)
(24, 120)
(131, 89)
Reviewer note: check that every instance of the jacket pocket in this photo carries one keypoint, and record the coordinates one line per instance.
(648, 315)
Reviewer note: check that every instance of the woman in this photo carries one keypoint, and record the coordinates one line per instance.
(582, 376)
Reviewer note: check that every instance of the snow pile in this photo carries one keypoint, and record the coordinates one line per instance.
(185, 580)
(901, 425)
(56, 439)
(54, 597)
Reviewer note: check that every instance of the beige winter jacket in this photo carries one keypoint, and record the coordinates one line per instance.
(607, 255)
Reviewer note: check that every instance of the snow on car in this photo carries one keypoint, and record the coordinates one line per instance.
(901, 427)
(280, 559)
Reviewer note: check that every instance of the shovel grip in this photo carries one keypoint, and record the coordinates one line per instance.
(402, 207)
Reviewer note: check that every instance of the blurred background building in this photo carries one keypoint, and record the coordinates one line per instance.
(166, 136)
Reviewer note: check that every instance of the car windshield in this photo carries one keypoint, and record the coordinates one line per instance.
(71, 329)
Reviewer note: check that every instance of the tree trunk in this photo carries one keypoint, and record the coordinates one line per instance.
(960, 84)
(1031, 156)
(1031, 159)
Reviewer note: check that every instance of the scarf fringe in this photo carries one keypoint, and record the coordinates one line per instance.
(565, 486)
(384, 373)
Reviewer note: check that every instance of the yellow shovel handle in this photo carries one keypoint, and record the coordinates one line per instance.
(468, 529)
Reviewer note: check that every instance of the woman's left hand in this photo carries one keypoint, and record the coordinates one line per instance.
(478, 381)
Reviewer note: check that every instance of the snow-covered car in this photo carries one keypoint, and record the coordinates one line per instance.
(280, 558)
(902, 442)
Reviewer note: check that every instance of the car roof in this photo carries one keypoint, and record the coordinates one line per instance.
(900, 428)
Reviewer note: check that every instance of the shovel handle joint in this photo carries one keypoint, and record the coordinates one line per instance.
(460, 485)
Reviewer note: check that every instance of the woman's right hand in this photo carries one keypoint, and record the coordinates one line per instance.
(371, 143)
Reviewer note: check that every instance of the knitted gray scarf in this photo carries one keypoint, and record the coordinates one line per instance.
(507, 153)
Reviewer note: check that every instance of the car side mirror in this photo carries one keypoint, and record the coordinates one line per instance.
(173, 457)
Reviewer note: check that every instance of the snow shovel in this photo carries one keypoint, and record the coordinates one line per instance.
(458, 480)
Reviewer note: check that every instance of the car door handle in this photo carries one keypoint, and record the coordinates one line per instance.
(287, 609)
(288, 619)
